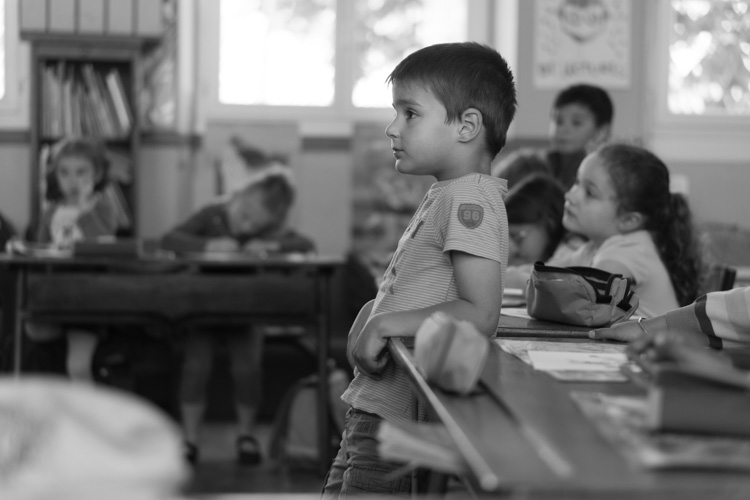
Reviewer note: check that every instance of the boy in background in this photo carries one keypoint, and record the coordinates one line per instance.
(454, 103)
(251, 220)
(580, 121)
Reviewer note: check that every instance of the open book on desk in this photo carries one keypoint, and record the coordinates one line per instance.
(592, 361)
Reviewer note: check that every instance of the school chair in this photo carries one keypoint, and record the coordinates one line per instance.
(718, 277)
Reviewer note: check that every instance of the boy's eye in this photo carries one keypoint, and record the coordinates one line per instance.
(410, 114)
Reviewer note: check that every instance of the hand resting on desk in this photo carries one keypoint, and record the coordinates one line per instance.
(628, 331)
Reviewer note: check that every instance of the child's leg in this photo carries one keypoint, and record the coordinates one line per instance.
(246, 351)
(358, 467)
(196, 368)
(81, 347)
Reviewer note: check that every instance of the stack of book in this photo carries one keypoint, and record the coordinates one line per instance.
(82, 100)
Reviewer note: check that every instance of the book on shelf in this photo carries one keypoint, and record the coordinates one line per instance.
(119, 99)
(83, 101)
(99, 107)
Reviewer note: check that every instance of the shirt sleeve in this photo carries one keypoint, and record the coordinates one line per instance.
(193, 234)
(472, 220)
(715, 319)
(630, 252)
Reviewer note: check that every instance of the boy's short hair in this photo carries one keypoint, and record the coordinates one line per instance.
(462, 76)
(596, 99)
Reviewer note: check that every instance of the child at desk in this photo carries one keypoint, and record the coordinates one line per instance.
(535, 212)
(580, 121)
(252, 220)
(77, 210)
(717, 320)
(635, 227)
(453, 105)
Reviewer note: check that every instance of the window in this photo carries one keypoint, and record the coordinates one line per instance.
(320, 58)
(701, 77)
(709, 67)
(13, 68)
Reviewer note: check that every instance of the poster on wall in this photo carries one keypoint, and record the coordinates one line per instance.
(582, 41)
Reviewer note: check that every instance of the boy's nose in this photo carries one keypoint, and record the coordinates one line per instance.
(391, 130)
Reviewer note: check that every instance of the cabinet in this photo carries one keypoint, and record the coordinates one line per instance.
(87, 86)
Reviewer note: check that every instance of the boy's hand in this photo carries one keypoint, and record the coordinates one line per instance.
(356, 329)
(222, 245)
(367, 352)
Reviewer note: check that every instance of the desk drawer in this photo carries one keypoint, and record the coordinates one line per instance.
(172, 296)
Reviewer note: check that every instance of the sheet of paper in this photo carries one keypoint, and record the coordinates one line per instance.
(577, 361)
(518, 312)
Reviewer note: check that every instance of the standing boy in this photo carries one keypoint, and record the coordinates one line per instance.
(454, 103)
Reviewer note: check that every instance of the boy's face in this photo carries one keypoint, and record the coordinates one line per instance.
(76, 176)
(421, 140)
(248, 214)
(573, 128)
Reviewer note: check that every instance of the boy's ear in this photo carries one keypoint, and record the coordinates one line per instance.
(629, 222)
(469, 124)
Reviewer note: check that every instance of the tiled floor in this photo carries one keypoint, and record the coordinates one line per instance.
(218, 473)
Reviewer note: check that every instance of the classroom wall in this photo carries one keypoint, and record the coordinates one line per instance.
(176, 175)
(716, 187)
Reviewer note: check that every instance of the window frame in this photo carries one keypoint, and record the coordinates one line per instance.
(690, 138)
(341, 110)
(13, 108)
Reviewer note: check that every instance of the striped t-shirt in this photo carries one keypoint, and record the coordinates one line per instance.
(465, 214)
(718, 319)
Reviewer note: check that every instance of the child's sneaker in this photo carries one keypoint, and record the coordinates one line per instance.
(248, 450)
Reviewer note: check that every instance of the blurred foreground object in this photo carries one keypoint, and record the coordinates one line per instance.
(63, 440)
(451, 353)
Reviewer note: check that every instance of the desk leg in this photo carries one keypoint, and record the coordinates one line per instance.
(324, 335)
(9, 295)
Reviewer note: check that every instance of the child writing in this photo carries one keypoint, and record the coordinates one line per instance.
(580, 121)
(453, 105)
(76, 210)
(251, 220)
(621, 202)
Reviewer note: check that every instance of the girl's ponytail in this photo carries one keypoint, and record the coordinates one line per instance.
(678, 248)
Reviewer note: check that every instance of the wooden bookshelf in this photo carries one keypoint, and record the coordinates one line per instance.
(88, 86)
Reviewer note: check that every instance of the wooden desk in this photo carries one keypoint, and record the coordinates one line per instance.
(514, 322)
(537, 444)
(173, 291)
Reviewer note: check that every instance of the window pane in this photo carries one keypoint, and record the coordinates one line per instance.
(386, 31)
(277, 52)
(709, 71)
(2, 49)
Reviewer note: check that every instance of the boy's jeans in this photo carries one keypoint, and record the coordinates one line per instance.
(357, 468)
